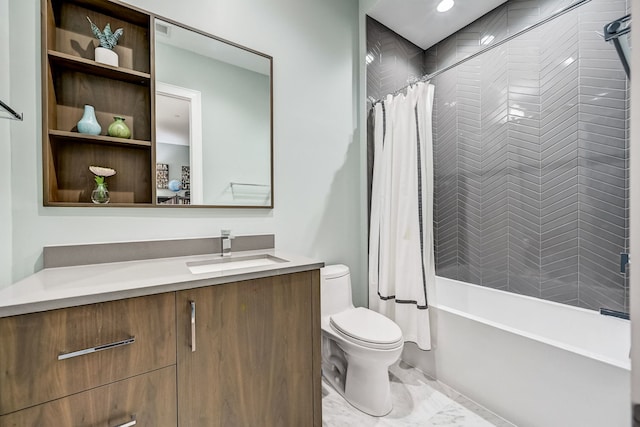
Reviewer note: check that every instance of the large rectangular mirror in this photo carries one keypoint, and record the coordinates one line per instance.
(214, 139)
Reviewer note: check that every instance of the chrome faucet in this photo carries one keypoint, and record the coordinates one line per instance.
(225, 239)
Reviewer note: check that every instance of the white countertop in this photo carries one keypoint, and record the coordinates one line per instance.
(62, 287)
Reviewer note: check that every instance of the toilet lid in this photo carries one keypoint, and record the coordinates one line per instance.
(367, 326)
(334, 271)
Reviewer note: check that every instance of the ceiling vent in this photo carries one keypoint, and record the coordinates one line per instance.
(163, 29)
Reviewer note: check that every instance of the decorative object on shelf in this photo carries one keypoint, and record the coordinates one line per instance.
(100, 195)
(186, 178)
(118, 128)
(177, 199)
(88, 124)
(174, 185)
(108, 40)
(162, 176)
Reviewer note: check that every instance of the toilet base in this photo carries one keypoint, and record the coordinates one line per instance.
(376, 404)
(368, 387)
(362, 380)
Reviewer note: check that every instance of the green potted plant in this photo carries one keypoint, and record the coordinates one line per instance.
(100, 195)
(108, 40)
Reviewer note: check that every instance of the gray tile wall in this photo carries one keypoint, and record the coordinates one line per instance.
(511, 17)
(531, 144)
(392, 60)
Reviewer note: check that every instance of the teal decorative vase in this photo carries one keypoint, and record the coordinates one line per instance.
(119, 129)
(88, 124)
(100, 195)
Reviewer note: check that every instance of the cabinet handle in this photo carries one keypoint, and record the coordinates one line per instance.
(193, 326)
(124, 342)
(128, 424)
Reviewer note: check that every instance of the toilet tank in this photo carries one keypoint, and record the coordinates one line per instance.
(335, 289)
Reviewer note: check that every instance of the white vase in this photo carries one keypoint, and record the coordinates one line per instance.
(106, 56)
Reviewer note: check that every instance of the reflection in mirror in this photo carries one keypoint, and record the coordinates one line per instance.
(178, 145)
(213, 121)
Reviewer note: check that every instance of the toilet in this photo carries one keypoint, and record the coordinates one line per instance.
(358, 345)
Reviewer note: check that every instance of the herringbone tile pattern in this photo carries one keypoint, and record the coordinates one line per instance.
(392, 60)
(469, 188)
(559, 161)
(603, 161)
(495, 172)
(524, 163)
(531, 152)
(546, 213)
(446, 210)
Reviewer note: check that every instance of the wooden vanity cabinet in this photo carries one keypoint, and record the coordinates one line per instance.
(249, 355)
(148, 399)
(47, 357)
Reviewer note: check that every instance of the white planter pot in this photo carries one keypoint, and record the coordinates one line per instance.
(106, 56)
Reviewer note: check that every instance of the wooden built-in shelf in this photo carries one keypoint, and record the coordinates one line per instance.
(71, 79)
(75, 137)
(111, 204)
(113, 9)
(89, 66)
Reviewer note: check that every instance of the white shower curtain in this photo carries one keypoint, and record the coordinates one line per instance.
(401, 257)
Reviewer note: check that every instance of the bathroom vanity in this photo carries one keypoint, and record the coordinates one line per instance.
(150, 343)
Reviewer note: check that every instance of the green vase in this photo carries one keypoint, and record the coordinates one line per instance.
(119, 129)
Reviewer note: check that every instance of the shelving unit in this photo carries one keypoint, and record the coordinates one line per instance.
(72, 79)
(70, 62)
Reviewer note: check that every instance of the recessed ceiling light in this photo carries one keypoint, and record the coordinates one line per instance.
(444, 5)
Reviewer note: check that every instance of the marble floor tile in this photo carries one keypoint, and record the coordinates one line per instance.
(418, 400)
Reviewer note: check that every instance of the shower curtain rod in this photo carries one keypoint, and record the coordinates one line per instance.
(14, 115)
(428, 77)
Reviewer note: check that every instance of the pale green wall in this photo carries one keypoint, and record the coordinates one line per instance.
(5, 151)
(317, 154)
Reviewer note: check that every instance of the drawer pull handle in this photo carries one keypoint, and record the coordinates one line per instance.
(128, 424)
(193, 326)
(127, 341)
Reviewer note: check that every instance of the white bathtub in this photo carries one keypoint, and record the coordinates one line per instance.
(534, 362)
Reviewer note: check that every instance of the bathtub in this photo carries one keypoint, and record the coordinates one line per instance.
(536, 363)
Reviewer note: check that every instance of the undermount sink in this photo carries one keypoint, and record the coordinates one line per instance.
(233, 263)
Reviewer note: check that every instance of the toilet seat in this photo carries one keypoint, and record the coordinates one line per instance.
(367, 328)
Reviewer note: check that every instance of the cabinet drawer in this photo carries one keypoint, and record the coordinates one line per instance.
(30, 346)
(149, 399)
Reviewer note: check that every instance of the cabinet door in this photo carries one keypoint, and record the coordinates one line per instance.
(145, 400)
(253, 363)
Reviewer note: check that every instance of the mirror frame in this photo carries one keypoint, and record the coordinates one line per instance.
(154, 89)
